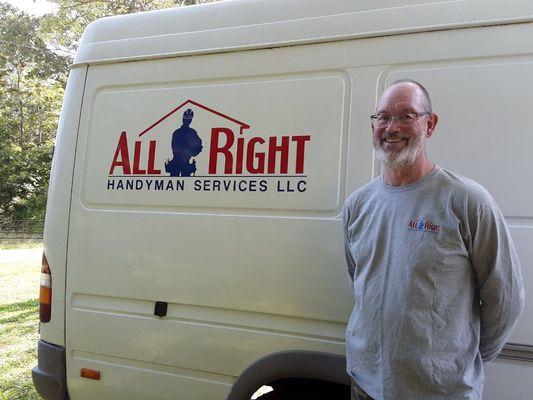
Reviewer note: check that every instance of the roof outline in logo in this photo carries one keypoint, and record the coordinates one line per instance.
(242, 125)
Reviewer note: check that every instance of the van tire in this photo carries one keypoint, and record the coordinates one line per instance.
(282, 370)
(307, 389)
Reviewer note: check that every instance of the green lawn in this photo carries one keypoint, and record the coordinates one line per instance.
(19, 321)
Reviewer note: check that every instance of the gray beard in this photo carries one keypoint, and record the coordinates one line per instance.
(404, 157)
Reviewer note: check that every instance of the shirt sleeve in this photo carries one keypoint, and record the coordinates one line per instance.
(350, 263)
(498, 279)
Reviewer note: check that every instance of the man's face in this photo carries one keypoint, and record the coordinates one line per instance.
(398, 145)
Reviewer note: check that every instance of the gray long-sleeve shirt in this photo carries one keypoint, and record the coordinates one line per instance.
(437, 287)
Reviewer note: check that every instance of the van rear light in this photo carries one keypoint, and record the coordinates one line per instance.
(45, 292)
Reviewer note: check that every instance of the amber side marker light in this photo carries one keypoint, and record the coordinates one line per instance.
(90, 374)
(45, 292)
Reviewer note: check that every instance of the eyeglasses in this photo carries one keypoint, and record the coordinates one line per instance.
(405, 119)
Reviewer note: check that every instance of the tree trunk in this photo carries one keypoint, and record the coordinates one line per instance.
(21, 109)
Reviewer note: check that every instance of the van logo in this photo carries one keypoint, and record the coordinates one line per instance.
(222, 149)
(424, 224)
(185, 144)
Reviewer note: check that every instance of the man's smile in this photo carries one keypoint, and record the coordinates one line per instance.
(393, 140)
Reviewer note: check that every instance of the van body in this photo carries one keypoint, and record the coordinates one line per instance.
(193, 228)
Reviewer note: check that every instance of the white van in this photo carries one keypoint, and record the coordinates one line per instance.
(193, 242)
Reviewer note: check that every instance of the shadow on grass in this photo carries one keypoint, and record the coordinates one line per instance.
(19, 324)
(23, 322)
(23, 310)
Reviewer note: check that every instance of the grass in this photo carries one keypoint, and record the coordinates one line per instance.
(19, 320)
(18, 244)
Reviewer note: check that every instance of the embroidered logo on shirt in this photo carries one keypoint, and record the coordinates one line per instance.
(424, 224)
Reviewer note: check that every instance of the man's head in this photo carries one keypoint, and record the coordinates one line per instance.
(188, 115)
(402, 124)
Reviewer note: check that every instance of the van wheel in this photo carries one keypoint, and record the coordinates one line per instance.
(270, 396)
(277, 395)
(306, 389)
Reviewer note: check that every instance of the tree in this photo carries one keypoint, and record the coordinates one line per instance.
(32, 78)
(34, 58)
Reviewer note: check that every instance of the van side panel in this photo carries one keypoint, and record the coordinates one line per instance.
(55, 238)
(508, 379)
(215, 243)
(246, 278)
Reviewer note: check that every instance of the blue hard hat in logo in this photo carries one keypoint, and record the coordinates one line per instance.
(188, 114)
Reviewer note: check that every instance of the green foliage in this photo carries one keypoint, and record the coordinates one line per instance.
(32, 79)
(34, 58)
(23, 50)
(25, 182)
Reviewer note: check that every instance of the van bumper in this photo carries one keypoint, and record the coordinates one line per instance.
(49, 376)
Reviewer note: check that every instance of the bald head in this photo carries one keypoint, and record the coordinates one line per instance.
(413, 89)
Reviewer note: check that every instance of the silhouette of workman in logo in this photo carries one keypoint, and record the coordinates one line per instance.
(185, 144)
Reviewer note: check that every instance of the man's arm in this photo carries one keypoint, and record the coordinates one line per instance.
(499, 279)
(350, 263)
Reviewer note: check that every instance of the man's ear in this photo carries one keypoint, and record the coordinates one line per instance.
(433, 119)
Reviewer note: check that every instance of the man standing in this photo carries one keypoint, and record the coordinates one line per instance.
(435, 275)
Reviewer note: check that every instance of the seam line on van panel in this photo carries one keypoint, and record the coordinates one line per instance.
(519, 222)
(213, 324)
(78, 295)
(519, 352)
(292, 20)
(267, 213)
(318, 19)
(79, 355)
(187, 211)
(304, 42)
(70, 206)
